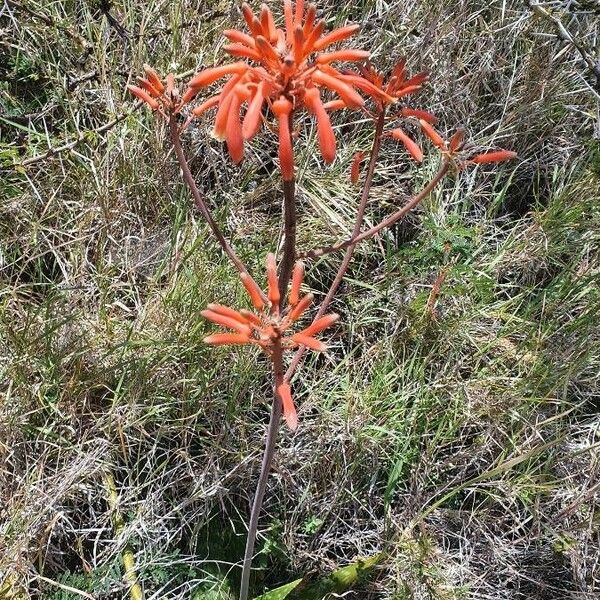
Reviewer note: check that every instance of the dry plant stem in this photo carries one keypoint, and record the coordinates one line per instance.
(199, 198)
(393, 218)
(366, 190)
(273, 429)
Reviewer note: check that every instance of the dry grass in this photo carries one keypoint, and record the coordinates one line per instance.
(465, 446)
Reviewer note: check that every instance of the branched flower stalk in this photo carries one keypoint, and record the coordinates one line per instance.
(280, 72)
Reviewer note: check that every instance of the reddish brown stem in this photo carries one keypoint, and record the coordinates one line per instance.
(289, 243)
(200, 201)
(273, 429)
(289, 223)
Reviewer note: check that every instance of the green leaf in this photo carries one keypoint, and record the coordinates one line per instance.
(337, 582)
(280, 592)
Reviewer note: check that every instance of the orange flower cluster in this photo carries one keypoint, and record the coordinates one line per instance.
(453, 149)
(288, 69)
(269, 325)
(396, 86)
(158, 95)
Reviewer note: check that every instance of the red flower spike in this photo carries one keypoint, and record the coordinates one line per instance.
(289, 410)
(282, 108)
(355, 169)
(491, 157)
(411, 147)
(269, 328)
(253, 291)
(327, 143)
(160, 96)
(419, 114)
(432, 134)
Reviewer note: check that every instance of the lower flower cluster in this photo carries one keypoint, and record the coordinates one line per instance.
(268, 327)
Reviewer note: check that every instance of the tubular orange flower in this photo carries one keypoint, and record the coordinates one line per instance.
(213, 74)
(143, 95)
(457, 140)
(327, 143)
(283, 64)
(223, 339)
(253, 291)
(411, 147)
(297, 277)
(273, 290)
(154, 79)
(283, 108)
(320, 325)
(419, 114)
(289, 410)
(355, 169)
(432, 134)
(309, 342)
(490, 157)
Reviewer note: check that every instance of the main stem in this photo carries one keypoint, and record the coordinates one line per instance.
(276, 409)
(289, 228)
(355, 231)
(289, 223)
(200, 200)
(285, 273)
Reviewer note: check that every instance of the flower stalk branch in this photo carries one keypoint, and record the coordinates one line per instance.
(200, 200)
(389, 221)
